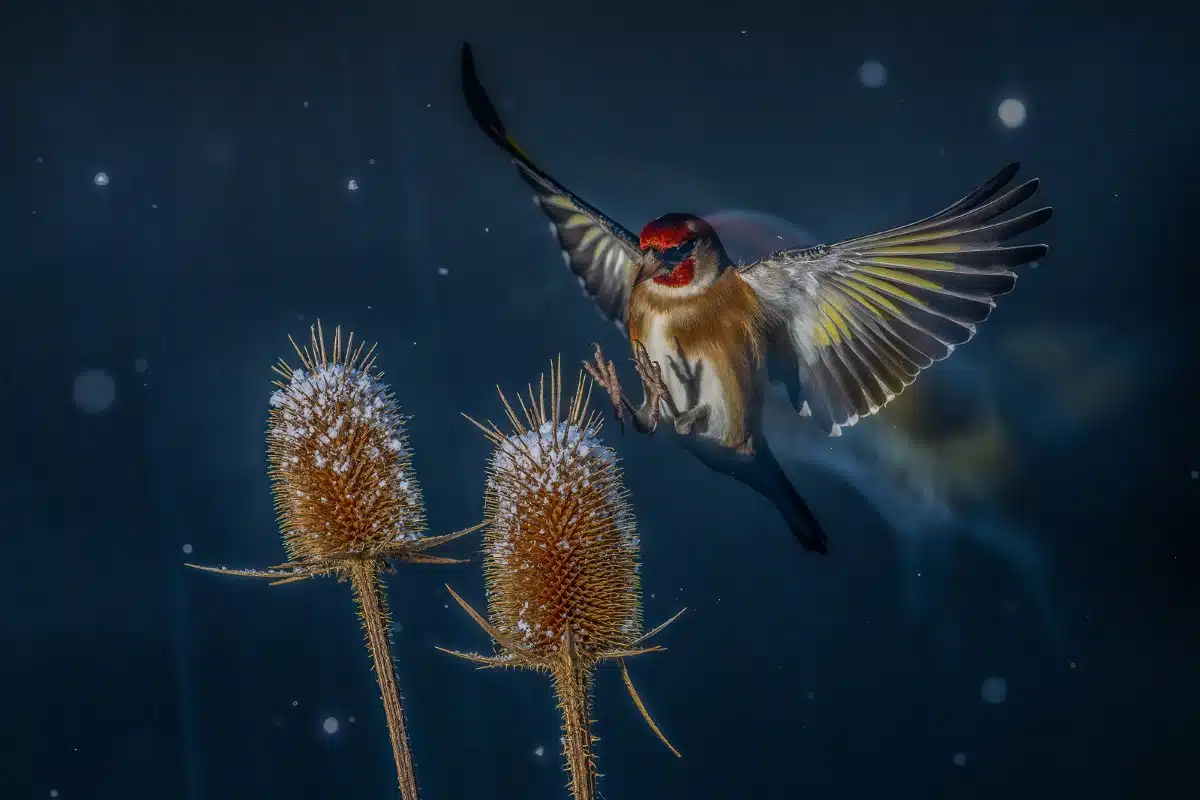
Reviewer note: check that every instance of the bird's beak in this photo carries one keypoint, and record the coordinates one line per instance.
(650, 268)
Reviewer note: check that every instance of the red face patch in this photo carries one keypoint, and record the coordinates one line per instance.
(681, 275)
(665, 233)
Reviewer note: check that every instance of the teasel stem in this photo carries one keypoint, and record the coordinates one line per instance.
(372, 606)
(573, 686)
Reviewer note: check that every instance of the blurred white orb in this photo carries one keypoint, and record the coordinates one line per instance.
(443, 271)
(187, 549)
(872, 74)
(94, 391)
(330, 725)
(994, 691)
(101, 179)
(1011, 113)
(539, 751)
(960, 759)
(352, 185)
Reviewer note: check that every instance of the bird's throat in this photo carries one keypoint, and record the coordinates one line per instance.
(681, 275)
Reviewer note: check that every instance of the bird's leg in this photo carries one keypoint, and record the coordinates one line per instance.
(685, 421)
(688, 375)
(654, 391)
(645, 417)
(604, 373)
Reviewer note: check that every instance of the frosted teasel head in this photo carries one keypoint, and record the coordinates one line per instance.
(340, 464)
(348, 502)
(561, 549)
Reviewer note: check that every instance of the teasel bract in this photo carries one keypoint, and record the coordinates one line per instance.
(561, 561)
(346, 496)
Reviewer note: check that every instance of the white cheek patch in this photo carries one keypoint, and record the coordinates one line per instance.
(691, 290)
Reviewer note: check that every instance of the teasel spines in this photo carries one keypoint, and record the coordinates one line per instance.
(347, 500)
(561, 556)
(340, 465)
(561, 548)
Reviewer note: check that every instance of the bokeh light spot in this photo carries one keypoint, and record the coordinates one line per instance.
(1011, 113)
(872, 74)
(994, 691)
(94, 391)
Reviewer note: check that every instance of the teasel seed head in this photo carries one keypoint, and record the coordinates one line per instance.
(561, 549)
(340, 465)
(348, 502)
(561, 561)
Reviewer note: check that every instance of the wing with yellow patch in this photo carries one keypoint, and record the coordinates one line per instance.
(863, 317)
(602, 262)
(600, 253)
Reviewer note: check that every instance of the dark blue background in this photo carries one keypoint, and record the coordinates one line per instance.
(227, 225)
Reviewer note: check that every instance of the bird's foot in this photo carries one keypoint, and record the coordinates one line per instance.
(688, 419)
(604, 373)
(653, 386)
(688, 374)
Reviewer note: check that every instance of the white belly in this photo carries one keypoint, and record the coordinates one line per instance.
(690, 380)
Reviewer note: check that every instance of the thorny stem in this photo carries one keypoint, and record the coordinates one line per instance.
(572, 684)
(364, 578)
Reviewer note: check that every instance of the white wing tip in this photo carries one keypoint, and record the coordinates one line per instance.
(805, 411)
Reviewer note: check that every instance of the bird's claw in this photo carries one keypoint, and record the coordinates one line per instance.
(688, 419)
(652, 384)
(604, 373)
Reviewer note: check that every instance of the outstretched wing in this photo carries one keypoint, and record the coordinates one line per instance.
(860, 319)
(602, 254)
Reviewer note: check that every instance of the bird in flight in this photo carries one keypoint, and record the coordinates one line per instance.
(843, 327)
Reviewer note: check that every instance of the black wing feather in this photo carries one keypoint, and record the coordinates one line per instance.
(600, 253)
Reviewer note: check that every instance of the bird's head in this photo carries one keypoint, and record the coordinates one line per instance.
(681, 252)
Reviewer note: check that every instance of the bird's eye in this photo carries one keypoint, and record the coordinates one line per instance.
(681, 251)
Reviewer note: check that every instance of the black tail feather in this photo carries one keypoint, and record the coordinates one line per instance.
(774, 484)
(762, 473)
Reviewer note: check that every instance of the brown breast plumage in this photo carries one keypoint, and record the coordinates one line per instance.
(725, 325)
